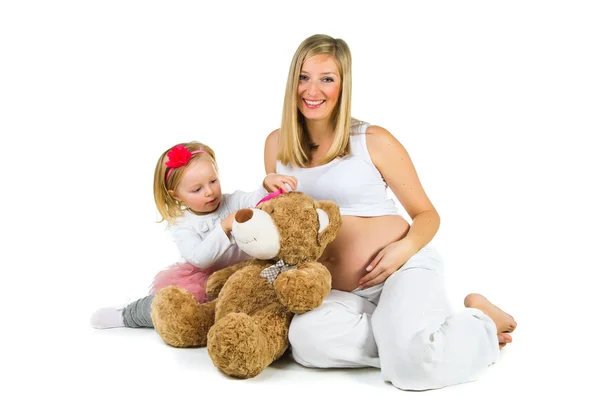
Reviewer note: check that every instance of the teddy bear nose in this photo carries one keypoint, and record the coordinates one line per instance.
(243, 215)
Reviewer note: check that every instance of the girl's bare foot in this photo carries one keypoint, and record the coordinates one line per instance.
(505, 323)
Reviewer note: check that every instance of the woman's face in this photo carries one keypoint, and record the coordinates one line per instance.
(319, 87)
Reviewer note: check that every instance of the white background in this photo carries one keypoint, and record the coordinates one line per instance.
(497, 103)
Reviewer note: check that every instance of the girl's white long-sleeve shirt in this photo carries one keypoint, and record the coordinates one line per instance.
(201, 239)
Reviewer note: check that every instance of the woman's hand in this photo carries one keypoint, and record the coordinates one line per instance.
(274, 182)
(389, 260)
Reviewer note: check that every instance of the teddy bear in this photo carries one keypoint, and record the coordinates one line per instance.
(245, 325)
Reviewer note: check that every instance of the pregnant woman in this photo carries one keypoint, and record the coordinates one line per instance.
(388, 308)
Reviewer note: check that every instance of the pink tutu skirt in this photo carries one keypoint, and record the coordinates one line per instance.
(185, 276)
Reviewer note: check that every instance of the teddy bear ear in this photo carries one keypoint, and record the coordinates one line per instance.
(323, 219)
(329, 221)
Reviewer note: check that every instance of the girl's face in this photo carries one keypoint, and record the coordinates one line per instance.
(199, 188)
(319, 87)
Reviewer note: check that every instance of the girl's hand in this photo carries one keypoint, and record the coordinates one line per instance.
(274, 182)
(227, 223)
(389, 260)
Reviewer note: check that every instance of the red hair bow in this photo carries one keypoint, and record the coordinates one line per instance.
(178, 156)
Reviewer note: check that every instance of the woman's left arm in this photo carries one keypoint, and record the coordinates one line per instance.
(395, 165)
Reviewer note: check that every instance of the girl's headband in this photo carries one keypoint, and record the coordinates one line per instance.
(179, 156)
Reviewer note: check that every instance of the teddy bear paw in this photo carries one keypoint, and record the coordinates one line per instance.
(238, 347)
(299, 294)
(179, 319)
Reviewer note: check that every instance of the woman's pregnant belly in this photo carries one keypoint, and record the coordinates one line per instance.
(359, 241)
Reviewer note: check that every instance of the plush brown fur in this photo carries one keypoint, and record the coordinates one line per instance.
(246, 326)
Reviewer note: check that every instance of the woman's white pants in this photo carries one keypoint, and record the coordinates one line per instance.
(404, 326)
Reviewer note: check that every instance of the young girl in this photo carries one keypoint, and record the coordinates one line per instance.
(187, 193)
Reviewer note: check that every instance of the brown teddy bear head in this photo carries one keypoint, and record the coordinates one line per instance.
(292, 227)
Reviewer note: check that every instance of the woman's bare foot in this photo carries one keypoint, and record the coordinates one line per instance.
(505, 323)
(503, 339)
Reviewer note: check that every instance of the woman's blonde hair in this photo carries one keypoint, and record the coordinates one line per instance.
(168, 207)
(294, 142)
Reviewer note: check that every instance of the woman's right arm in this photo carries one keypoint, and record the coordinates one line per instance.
(271, 145)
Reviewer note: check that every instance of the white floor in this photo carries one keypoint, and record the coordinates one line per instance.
(139, 355)
(135, 363)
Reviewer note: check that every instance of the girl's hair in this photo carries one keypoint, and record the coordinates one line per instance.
(294, 142)
(167, 206)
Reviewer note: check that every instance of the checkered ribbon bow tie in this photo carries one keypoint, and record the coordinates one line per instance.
(279, 267)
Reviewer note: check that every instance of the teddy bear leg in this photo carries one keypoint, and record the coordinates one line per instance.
(237, 346)
(179, 319)
(242, 346)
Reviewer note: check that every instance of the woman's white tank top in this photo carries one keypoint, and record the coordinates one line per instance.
(352, 182)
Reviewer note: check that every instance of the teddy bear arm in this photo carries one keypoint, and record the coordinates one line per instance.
(217, 279)
(304, 288)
